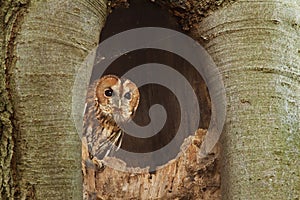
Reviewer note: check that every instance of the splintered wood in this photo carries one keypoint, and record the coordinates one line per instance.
(186, 177)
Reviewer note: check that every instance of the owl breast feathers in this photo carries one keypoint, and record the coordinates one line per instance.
(110, 102)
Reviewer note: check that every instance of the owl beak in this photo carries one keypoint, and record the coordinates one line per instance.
(117, 110)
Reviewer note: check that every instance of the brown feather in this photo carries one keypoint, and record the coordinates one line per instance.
(100, 129)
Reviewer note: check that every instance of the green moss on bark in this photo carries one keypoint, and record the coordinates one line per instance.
(255, 45)
(11, 18)
(191, 12)
(42, 46)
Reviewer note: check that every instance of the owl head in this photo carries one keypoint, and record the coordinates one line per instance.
(117, 98)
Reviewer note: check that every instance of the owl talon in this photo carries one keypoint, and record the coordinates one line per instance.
(99, 164)
(101, 168)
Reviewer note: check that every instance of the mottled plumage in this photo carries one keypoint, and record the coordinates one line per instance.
(110, 102)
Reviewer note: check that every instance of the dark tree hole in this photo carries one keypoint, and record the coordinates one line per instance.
(144, 13)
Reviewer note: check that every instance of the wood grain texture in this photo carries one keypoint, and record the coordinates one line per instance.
(46, 48)
(185, 177)
(256, 45)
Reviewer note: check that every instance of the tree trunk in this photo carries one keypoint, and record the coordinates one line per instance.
(256, 47)
(42, 46)
(187, 176)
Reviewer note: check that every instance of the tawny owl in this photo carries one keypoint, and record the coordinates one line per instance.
(110, 102)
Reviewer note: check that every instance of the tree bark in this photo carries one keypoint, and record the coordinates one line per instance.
(43, 45)
(186, 177)
(256, 45)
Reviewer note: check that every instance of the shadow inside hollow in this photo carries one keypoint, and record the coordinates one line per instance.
(142, 14)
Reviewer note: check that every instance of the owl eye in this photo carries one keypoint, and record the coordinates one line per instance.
(109, 92)
(127, 95)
